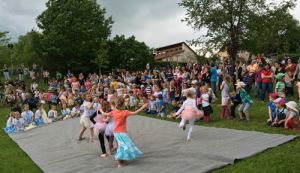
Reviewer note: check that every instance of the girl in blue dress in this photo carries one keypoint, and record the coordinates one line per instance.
(27, 115)
(38, 117)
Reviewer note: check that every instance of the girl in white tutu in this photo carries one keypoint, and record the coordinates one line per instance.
(188, 112)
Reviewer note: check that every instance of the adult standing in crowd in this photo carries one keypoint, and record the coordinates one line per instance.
(290, 70)
(267, 81)
(213, 78)
(279, 68)
(297, 71)
(21, 72)
(46, 76)
(5, 72)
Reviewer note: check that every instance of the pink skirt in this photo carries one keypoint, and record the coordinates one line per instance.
(190, 113)
(99, 128)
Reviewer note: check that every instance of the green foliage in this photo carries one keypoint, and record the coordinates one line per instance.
(28, 49)
(128, 53)
(227, 22)
(72, 33)
(3, 38)
(274, 32)
(4, 51)
(102, 57)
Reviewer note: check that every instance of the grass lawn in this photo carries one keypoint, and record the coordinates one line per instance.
(284, 158)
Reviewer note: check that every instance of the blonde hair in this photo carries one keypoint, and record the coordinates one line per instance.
(118, 102)
(190, 94)
(205, 88)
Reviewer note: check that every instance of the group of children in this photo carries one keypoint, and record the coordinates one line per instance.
(282, 113)
(26, 120)
(104, 104)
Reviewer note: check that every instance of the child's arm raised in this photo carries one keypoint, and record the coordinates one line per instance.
(90, 106)
(139, 110)
(109, 114)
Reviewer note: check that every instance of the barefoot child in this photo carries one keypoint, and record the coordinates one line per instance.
(99, 131)
(188, 112)
(126, 148)
(110, 127)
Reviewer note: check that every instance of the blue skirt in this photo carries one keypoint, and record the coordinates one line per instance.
(38, 122)
(126, 148)
(10, 130)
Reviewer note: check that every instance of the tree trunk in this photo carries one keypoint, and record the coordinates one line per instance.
(99, 66)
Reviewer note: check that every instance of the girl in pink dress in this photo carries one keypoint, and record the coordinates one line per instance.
(188, 112)
(99, 130)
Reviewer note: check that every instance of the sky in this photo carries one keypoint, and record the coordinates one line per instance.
(155, 22)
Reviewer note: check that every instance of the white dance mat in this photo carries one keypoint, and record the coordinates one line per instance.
(55, 148)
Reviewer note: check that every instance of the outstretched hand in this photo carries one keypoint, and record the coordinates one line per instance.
(145, 105)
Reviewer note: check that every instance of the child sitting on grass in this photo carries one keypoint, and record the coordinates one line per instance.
(14, 123)
(291, 121)
(27, 115)
(10, 127)
(174, 108)
(52, 114)
(38, 119)
(281, 112)
(272, 108)
(75, 112)
(161, 108)
(152, 107)
(65, 111)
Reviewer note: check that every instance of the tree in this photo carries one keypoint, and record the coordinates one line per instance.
(72, 32)
(277, 32)
(4, 51)
(129, 53)
(226, 21)
(102, 57)
(3, 38)
(28, 49)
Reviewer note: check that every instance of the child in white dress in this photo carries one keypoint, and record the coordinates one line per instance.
(188, 112)
(85, 122)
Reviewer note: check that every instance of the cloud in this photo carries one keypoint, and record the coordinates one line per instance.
(18, 16)
(155, 22)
